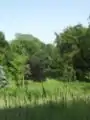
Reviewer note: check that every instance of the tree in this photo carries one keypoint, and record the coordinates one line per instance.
(74, 47)
(26, 44)
(4, 46)
(45, 63)
(36, 68)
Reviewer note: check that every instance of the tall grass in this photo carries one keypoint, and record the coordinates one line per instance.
(65, 101)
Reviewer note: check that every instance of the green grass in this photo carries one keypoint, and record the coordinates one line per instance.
(63, 101)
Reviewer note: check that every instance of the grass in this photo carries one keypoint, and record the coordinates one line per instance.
(63, 101)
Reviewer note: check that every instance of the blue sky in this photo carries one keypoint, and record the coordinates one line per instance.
(41, 17)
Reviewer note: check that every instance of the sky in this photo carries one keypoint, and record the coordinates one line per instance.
(41, 18)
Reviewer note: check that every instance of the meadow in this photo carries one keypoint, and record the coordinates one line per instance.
(61, 101)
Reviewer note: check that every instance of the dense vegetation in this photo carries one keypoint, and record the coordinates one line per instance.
(62, 68)
(28, 58)
(63, 101)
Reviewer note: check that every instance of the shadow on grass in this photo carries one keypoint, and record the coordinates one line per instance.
(51, 111)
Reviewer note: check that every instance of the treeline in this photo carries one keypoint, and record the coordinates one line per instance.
(28, 58)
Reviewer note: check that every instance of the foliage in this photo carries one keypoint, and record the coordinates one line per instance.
(3, 79)
(64, 101)
(74, 47)
(26, 57)
(25, 44)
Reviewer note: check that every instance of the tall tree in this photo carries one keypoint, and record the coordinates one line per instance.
(74, 45)
(26, 44)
